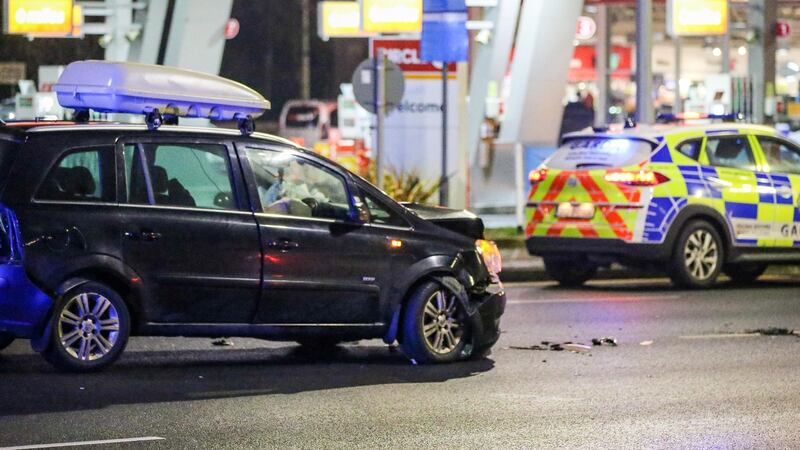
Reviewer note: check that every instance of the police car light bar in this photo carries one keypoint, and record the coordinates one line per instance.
(687, 116)
(161, 93)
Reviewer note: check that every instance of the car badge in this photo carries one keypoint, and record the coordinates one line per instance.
(572, 181)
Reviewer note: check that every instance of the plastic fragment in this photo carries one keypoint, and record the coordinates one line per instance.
(223, 342)
(577, 348)
(646, 343)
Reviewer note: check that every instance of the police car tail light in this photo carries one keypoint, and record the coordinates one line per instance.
(537, 176)
(643, 178)
(490, 254)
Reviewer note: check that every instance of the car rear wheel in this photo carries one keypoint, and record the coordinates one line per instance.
(435, 328)
(570, 273)
(90, 329)
(5, 341)
(698, 256)
(745, 273)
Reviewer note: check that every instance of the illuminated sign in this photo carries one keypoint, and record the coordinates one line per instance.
(391, 16)
(339, 19)
(40, 18)
(585, 29)
(697, 17)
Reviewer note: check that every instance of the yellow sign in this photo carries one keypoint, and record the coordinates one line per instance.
(697, 17)
(39, 17)
(391, 16)
(339, 19)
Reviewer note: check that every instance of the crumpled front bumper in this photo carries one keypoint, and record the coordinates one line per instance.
(488, 308)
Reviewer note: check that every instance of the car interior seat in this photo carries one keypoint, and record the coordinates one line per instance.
(160, 180)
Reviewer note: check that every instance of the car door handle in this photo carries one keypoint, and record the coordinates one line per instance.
(283, 245)
(144, 235)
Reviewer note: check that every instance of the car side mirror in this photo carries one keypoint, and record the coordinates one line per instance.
(361, 214)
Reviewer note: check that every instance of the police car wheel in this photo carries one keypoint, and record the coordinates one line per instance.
(697, 257)
(90, 329)
(744, 273)
(570, 273)
(435, 327)
(5, 340)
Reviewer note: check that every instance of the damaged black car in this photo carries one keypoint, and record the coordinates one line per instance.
(115, 230)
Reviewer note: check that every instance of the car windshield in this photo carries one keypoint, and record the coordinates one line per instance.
(598, 153)
(8, 148)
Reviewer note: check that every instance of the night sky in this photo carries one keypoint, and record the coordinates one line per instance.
(265, 55)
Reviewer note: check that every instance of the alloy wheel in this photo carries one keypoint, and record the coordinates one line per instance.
(701, 254)
(88, 326)
(442, 322)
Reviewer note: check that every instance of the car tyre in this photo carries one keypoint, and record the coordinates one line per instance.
(435, 327)
(698, 256)
(89, 329)
(744, 273)
(570, 273)
(5, 340)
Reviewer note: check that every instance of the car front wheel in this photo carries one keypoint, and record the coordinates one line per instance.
(5, 340)
(698, 256)
(90, 328)
(435, 328)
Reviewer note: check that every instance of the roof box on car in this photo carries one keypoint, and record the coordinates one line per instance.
(160, 93)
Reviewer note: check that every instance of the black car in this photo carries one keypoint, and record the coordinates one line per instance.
(115, 230)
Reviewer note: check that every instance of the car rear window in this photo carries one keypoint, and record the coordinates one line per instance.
(302, 117)
(599, 153)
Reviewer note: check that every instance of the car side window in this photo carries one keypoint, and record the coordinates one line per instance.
(85, 175)
(733, 151)
(691, 148)
(781, 156)
(185, 175)
(290, 185)
(380, 214)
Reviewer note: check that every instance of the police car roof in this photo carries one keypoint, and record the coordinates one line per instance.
(654, 133)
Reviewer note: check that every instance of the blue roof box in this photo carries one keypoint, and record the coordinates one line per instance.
(121, 87)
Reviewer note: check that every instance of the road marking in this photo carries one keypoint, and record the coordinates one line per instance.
(719, 335)
(85, 443)
(603, 299)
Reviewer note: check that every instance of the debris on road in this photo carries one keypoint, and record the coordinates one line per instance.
(577, 348)
(773, 331)
(223, 342)
(574, 347)
(646, 343)
(612, 342)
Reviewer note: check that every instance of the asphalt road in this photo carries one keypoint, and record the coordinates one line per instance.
(701, 383)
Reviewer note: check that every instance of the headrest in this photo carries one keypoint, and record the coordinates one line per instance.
(729, 149)
(160, 180)
(78, 181)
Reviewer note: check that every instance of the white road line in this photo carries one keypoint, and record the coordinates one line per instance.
(719, 335)
(85, 443)
(608, 299)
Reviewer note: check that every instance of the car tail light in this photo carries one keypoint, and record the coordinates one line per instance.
(640, 178)
(537, 176)
(490, 254)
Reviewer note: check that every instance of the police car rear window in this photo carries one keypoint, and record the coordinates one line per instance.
(599, 153)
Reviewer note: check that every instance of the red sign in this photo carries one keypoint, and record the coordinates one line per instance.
(782, 29)
(405, 53)
(231, 28)
(584, 62)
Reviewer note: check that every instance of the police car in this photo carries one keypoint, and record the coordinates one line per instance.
(696, 200)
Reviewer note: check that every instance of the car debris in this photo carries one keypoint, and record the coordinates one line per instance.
(222, 342)
(773, 331)
(577, 348)
(611, 342)
(645, 343)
